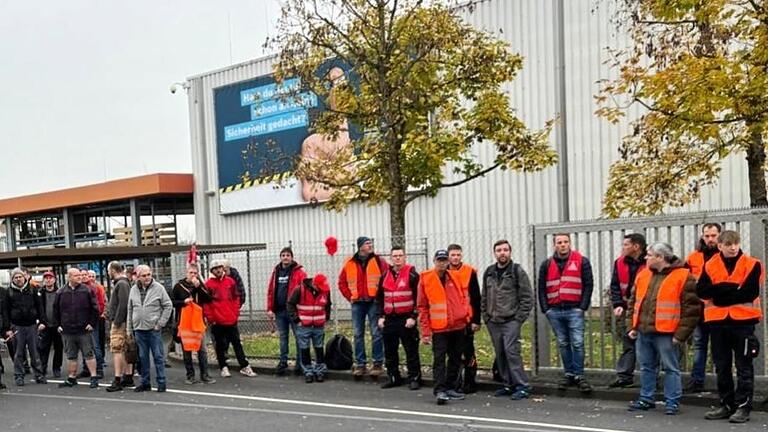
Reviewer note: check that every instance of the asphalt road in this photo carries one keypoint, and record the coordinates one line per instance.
(268, 403)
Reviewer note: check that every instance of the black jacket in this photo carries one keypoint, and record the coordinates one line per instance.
(4, 324)
(43, 293)
(587, 283)
(234, 274)
(22, 306)
(75, 308)
(184, 289)
(117, 310)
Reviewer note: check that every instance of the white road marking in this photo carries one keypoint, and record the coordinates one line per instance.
(389, 411)
(188, 405)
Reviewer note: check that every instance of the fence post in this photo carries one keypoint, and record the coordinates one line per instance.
(250, 291)
(540, 340)
(757, 248)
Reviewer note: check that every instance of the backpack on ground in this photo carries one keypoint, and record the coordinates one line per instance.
(338, 353)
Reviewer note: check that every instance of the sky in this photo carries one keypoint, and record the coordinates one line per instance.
(85, 84)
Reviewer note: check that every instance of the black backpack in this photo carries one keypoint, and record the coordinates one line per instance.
(338, 353)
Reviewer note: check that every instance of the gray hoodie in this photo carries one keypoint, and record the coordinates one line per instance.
(149, 308)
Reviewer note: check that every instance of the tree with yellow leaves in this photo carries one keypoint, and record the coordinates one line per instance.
(424, 88)
(697, 68)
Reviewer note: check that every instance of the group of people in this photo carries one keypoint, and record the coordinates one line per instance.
(661, 301)
(35, 319)
(658, 300)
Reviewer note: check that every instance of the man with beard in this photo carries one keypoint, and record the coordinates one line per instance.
(49, 337)
(466, 276)
(22, 307)
(287, 276)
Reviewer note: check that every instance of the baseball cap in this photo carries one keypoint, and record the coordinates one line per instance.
(441, 254)
(49, 274)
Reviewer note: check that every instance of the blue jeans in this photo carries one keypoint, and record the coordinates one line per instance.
(284, 325)
(315, 336)
(568, 325)
(653, 348)
(360, 311)
(151, 341)
(700, 344)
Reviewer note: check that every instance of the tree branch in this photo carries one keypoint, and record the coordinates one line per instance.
(412, 196)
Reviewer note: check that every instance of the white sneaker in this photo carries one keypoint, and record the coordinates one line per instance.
(247, 371)
(225, 372)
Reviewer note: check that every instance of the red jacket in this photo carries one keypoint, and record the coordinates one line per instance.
(225, 307)
(297, 275)
(101, 297)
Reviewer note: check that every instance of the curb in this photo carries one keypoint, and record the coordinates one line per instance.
(542, 385)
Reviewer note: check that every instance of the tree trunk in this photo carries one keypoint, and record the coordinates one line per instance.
(756, 168)
(397, 218)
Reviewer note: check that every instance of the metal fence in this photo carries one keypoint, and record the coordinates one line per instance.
(600, 240)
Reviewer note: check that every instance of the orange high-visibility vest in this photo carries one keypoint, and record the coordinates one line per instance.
(718, 273)
(372, 274)
(463, 275)
(191, 327)
(438, 302)
(668, 307)
(696, 263)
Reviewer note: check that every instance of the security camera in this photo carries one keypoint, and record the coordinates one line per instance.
(173, 88)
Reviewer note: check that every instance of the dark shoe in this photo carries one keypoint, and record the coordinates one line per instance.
(94, 383)
(84, 374)
(565, 382)
(583, 385)
(521, 393)
(20, 381)
(116, 386)
(41, 380)
(99, 374)
(740, 416)
(503, 392)
(142, 388)
(455, 395)
(641, 405)
(414, 385)
(620, 383)
(69, 382)
(719, 413)
(190, 380)
(282, 368)
(168, 365)
(208, 380)
(128, 381)
(441, 398)
(57, 373)
(161, 389)
(309, 379)
(672, 409)
(694, 387)
(319, 377)
(392, 381)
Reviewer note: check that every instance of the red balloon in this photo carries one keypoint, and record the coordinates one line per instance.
(321, 281)
(331, 245)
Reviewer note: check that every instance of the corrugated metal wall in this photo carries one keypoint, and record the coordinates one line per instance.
(499, 201)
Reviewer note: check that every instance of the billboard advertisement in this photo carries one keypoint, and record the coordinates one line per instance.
(262, 127)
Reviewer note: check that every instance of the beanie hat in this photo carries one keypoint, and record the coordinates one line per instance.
(361, 241)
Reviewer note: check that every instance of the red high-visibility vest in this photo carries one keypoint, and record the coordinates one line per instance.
(312, 308)
(622, 271)
(565, 286)
(398, 297)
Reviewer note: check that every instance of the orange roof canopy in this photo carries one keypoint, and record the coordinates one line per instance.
(123, 189)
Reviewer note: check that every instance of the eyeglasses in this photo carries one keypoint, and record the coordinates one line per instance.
(146, 275)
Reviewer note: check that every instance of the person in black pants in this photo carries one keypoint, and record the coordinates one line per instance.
(50, 337)
(396, 306)
(730, 287)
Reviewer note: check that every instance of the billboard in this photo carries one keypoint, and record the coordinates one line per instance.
(262, 127)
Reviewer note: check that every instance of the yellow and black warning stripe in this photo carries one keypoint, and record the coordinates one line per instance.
(257, 182)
